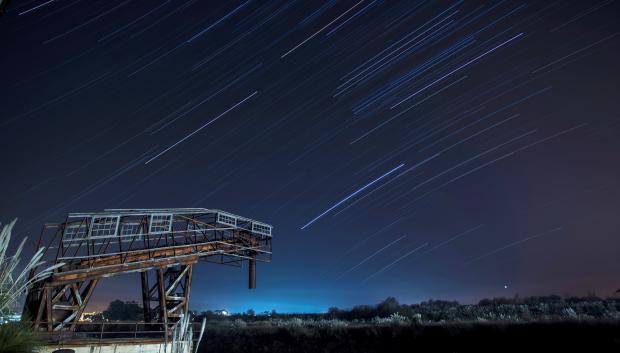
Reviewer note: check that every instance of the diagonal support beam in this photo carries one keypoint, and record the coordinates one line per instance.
(177, 280)
(86, 294)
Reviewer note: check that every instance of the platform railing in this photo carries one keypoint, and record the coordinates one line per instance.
(112, 331)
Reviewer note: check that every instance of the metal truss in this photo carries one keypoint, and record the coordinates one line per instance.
(167, 299)
(161, 244)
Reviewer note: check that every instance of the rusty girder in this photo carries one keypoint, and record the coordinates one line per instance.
(163, 245)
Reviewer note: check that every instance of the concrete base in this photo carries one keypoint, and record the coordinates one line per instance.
(109, 347)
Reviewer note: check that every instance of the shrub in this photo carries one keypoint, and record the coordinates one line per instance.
(123, 311)
(394, 319)
(16, 337)
(239, 323)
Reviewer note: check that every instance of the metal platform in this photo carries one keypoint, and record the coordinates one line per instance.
(161, 244)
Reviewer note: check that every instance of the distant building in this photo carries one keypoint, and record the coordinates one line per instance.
(222, 312)
(268, 313)
(91, 316)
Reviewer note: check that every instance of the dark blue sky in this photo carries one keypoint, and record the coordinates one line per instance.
(454, 150)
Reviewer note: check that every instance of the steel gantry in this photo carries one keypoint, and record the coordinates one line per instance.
(163, 245)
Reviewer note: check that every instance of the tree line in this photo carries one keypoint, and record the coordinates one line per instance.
(506, 309)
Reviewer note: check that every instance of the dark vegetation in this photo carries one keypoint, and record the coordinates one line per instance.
(16, 337)
(546, 308)
(550, 323)
(562, 336)
(119, 310)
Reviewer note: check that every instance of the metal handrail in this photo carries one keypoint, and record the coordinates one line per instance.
(100, 334)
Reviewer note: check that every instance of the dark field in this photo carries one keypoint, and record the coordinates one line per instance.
(566, 336)
(533, 324)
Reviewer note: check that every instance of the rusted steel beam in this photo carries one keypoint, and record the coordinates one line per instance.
(86, 294)
(142, 254)
(69, 277)
(59, 295)
(48, 308)
(164, 242)
(65, 307)
(162, 297)
(188, 287)
(177, 280)
(146, 298)
(114, 264)
(42, 303)
(76, 294)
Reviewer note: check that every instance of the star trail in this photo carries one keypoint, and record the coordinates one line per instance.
(390, 143)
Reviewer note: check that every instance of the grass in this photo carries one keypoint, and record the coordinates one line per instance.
(541, 324)
(556, 336)
(16, 337)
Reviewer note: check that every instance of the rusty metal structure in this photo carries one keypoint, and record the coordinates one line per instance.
(161, 244)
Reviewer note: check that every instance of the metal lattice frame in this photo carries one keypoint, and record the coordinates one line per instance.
(161, 244)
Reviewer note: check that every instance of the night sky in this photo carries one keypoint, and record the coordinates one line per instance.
(448, 150)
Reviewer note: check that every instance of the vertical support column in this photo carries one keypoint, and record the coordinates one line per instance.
(188, 287)
(48, 308)
(42, 302)
(252, 273)
(146, 297)
(163, 308)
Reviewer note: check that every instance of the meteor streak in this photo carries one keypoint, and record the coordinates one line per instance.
(455, 70)
(36, 7)
(202, 127)
(353, 194)
(382, 186)
(320, 30)
(217, 22)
